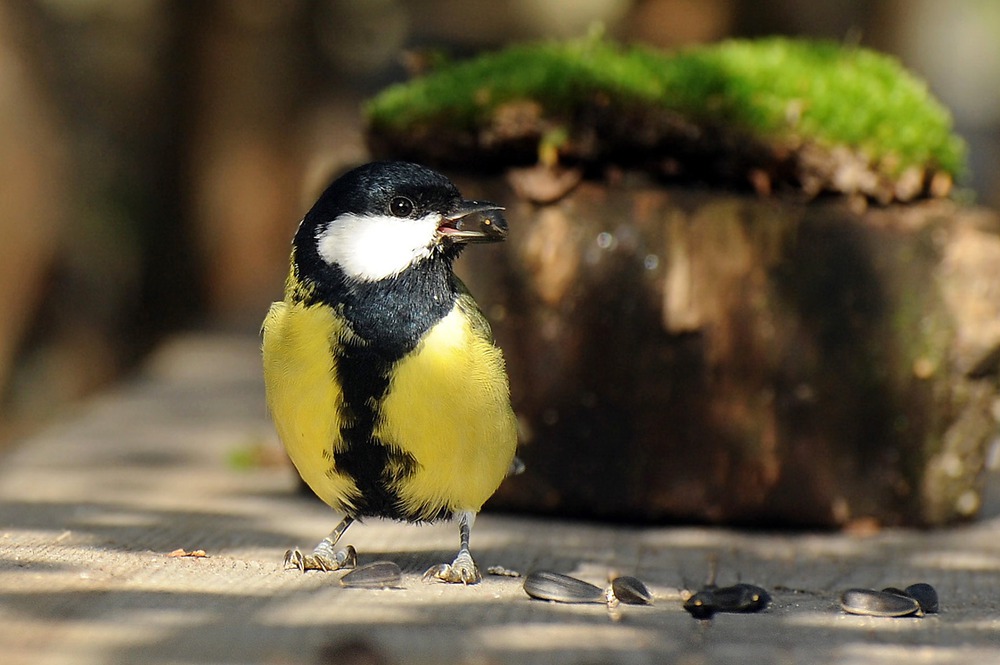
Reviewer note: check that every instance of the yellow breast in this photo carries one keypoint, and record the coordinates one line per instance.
(448, 406)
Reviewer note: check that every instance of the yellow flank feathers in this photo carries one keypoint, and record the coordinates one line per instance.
(302, 395)
(448, 406)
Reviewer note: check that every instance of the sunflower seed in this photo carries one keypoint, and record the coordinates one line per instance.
(925, 595)
(741, 598)
(631, 591)
(868, 602)
(546, 585)
(376, 575)
(702, 604)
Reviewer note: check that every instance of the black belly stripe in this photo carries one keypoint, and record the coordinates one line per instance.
(387, 318)
(376, 468)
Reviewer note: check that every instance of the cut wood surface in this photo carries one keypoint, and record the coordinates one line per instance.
(685, 354)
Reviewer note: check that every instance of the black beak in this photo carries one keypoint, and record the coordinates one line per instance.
(474, 221)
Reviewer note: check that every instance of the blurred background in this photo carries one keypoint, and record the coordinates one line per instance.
(156, 156)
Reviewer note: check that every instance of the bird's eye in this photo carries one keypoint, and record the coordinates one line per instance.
(401, 206)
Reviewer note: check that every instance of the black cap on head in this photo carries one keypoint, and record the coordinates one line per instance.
(370, 189)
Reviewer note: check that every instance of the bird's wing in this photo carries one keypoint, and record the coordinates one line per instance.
(477, 321)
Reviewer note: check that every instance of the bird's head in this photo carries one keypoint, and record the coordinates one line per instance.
(381, 218)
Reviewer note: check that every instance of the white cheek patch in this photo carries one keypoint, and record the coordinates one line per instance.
(376, 246)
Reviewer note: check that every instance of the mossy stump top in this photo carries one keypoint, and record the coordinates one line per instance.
(771, 114)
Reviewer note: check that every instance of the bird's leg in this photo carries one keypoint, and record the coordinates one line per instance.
(324, 556)
(463, 569)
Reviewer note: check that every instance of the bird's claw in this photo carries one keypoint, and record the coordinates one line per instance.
(462, 570)
(321, 559)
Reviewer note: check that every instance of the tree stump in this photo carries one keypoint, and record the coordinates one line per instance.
(680, 355)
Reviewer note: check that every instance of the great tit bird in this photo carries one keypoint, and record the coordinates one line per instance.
(381, 373)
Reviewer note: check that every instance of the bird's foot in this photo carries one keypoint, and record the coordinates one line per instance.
(462, 570)
(323, 558)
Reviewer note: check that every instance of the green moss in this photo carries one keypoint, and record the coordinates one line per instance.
(775, 89)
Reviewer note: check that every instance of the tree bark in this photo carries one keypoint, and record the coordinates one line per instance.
(693, 355)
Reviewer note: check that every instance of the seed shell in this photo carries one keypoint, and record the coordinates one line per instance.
(376, 575)
(702, 604)
(631, 591)
(739, 598)
(868, 602)
(924, 594)
(546, 585)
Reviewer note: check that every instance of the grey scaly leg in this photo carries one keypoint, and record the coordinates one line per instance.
(463, 569)
(324, 556)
